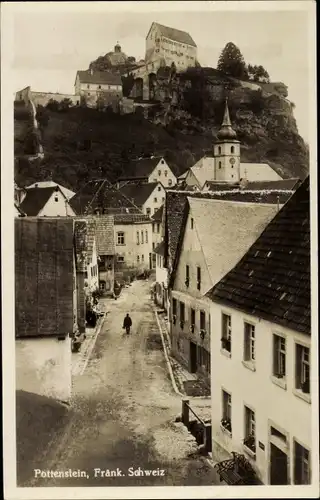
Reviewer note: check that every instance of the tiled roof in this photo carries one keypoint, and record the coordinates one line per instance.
(105, 234)
(36, 199)
(44, 249)
(174, 34)
(258, 171)
(287, 184)
(159, 249)
(131, 218)
(225, 230)
(141, 168)
(176, 206)
(100, 195)
(102, 77)
(272, 280)
(81, 244)
(44, 184)
(139, 193)
(157, 217)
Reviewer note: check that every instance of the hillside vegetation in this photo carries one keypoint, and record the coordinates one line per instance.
(81, 143)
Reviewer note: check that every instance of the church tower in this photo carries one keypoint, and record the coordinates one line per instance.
(227, 152)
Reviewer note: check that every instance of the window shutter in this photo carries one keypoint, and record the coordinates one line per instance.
(275, 367)
(298, 366)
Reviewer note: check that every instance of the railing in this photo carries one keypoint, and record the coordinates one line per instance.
(186, 409)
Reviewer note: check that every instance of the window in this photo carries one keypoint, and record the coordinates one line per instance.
(153, 228)
(138, 238)
(169, 182)
(219, 150)
(159, 172)
(120, 258)
(198, 278)
(159, 188)
(182, 317)
(249, 342)
(191, 223)
(301, 464)
(146, 236)
(226, 411)
(232, 149)
(56, 198)
(226, 332)
(220, 164)
(120, 238)
(88, 93)
(250, 429)
(303, 368)
(142, 239)
(192, 319)
(174, 311)
(155, 200)
(142, 258)
(153, 245)
(202, 321)
(99, 87)
(279, 356)
(166, 173)
(158, 228)
(88, 86)
(187, 281)
(138, 259)
(163, 199)
(148, 211)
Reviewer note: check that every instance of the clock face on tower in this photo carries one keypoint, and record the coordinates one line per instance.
(232, 161)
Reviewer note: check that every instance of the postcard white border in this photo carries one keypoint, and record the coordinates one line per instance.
(11, 492)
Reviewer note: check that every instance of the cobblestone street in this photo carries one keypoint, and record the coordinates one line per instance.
(124, 409)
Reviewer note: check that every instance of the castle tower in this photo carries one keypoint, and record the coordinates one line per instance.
(227, 152)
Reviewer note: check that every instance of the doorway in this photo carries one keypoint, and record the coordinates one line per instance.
(193, 357)
(278, 465)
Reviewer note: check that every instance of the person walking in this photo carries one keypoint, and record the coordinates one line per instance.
(127, 323)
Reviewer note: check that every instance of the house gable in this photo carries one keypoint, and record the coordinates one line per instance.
(57, 204)
(162, 173)
(156, 193)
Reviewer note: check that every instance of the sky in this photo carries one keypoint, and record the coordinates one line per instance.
(49, 47)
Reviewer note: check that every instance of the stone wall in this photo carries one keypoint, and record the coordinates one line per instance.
(42, 98)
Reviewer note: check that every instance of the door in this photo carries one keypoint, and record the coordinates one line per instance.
(193, 357)
(278, 466)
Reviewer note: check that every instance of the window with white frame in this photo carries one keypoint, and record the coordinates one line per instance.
(169, 182)
(138, 238)
(249, 342)
(120, 258)
(159, 188)
(155, 200)
(146, 236)
(138, 259)
(226, 332)
(249, 429)
(120, 238)
(182, 315)
(226, 411)
(166, 173)
(142, 238)
(279, 356)
(301, 464)
(303, 368)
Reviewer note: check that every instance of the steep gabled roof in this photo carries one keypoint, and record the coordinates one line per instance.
(44, 184)
(157, 217)
(174, 34)
(225, 230)
(176, 205)
(102, 196)
(37, 198)
(44, 250)
(139, 193)
(105, 234)
(99, 77)
(141, 168)
(272, 280)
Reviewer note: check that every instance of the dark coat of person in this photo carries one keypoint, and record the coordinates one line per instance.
(127, 322)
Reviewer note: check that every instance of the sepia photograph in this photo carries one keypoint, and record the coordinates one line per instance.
(159, 249)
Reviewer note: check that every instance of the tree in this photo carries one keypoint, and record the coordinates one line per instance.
(231, 62)
(258, 74)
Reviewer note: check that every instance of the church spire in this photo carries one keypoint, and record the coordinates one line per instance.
(226, 131)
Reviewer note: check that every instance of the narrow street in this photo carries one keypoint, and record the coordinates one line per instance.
(123, 409)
